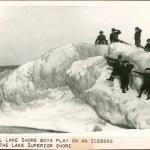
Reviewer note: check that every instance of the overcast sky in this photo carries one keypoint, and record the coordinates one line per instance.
(26, 32)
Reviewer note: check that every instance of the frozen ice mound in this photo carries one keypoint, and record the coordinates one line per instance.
(105, 97)
(59, 111)
(81, 67)
(119, 109)
(48, 71)
(37, 95)
(83, 74)
(137, 56)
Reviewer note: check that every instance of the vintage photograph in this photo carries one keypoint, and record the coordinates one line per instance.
(74, 68)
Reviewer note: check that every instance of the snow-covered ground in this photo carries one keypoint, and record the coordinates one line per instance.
(66, 90)
(59, 112)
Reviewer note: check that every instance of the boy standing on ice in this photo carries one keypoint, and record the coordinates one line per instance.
(125, 71)
(116, 64)
(137, 36)
(122, 69)
(146, 82)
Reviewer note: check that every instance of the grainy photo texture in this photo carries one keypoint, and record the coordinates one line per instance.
(66, 69)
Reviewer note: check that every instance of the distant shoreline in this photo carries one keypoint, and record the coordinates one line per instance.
(2, 68)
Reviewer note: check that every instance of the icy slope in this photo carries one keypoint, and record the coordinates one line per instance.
(48, 71)
(118, 108)
(83, 74)
(81, 67)
(36, 94)
(60, 111)
(106, 98)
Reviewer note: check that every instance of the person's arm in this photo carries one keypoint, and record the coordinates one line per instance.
(140, 30)
(146, 47)
(111, 59)
(104, 38)
(140, 73)
(111, 40)
(96, 40)
(118, 31)
(131, 66)
(110, 62)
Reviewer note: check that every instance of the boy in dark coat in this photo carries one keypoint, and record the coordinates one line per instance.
(114, 35)
(101, 39)
(137, 36)
(116, 64)
(124, 75)
(146, 82)
(147, 47)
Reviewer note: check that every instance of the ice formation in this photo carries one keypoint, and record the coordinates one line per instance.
(32, 79)
(81, 70)
(105, 97)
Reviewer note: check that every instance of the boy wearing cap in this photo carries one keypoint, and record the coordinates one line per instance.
(146, 82)
(137, 36)
(114, 35)
(101, 39)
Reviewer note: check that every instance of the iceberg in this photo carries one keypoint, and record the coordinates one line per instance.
(70, 82)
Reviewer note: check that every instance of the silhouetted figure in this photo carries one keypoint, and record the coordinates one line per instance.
(147, 46)
(101, 39)
(116, 64)
(146, 82)
(114, 35)
(125, 71)
(137, 36)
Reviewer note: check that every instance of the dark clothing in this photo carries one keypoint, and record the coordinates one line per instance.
(116, 64)
(124, 76)
(101, 39)
(137, 38)
(138, 43)
(124, 83)
(144, 87)
(146, 83)
(147, 47)
(116, 68)
(146, 77)
(114, 36)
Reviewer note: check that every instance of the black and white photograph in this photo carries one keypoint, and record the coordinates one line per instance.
(74, 68)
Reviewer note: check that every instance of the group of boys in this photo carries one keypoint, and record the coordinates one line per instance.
(123, 68)
(101, 38)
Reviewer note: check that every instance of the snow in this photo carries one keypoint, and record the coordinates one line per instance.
(105, 97)
(51, 113)
(36, 94)
(137, 56)
(66, 89)
(47, 71)
(83, 74)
